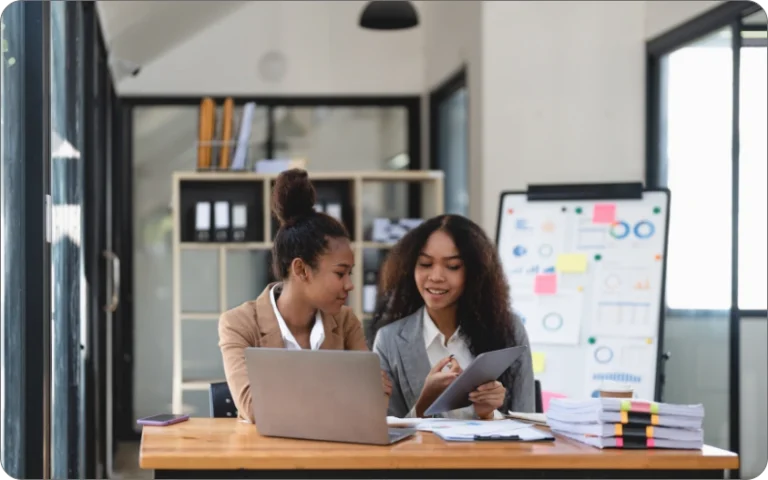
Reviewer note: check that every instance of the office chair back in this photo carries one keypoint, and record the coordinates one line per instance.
(538, 403)
(220, 401)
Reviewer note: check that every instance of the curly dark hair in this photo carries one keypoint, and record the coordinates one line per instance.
(484, 313)
(303, 232)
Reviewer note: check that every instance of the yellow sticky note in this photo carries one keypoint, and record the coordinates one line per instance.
(538, 362)
(571, 263)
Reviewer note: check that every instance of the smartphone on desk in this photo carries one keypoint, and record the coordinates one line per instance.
(162, 420)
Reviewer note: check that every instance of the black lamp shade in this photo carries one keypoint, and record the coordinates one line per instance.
(389, 15)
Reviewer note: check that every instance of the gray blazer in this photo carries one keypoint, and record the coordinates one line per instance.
(403, 356)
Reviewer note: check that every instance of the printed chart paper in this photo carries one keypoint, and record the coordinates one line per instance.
(627, 361)
(552, 319)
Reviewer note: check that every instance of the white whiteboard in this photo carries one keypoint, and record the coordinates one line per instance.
(586, 277)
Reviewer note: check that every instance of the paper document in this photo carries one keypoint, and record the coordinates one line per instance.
(423, 424)
(469, 429)
(628, 405)
(527, 434)
(495, 430)
(396, 422)
(537, 418)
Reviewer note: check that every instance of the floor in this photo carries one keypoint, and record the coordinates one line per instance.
(127, 462)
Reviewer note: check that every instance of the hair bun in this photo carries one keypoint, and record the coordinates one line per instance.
(293, 196)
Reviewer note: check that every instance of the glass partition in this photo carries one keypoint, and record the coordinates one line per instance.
(753, 171)
(12, 241)
(67, 281)
(697, 104)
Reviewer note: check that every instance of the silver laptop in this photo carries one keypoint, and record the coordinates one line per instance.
(332, 395)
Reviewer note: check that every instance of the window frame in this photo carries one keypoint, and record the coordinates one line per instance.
(437, 96)
(28, 319)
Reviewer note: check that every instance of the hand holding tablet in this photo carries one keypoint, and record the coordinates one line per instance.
(487, 367)
(487, 398)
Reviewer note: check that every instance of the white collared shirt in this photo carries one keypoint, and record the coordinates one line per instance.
(437, 349)
(316, 335)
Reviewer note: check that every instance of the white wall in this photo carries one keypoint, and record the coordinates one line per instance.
(324, 49)
(563, 95)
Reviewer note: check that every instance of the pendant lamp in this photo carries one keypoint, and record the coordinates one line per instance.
(389, 15)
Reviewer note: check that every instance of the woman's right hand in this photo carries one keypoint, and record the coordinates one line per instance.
(437, 380)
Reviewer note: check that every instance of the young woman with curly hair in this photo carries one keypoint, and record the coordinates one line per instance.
(444, 300)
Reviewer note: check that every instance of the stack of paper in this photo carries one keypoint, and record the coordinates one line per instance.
(625, 423)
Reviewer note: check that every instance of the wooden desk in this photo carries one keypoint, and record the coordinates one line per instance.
(226, 448)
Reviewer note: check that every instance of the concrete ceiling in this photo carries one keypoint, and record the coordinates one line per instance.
(141, 31)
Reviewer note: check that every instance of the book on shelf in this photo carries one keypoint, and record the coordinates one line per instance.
(226, 134)
(205, 133)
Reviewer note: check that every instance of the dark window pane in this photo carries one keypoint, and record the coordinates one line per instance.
(11, 240)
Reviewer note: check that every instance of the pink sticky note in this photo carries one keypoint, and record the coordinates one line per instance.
(604, 213)
(545, 284)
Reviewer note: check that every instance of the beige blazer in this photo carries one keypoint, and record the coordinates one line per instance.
(254, 324)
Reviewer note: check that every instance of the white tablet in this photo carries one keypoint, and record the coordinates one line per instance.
(487, 367)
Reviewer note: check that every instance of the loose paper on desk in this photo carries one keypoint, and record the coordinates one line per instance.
(470, 428)
(453, 424)
(500, 428)
(397, 422)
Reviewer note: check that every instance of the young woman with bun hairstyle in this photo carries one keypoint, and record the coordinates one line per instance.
(443, 301)
(305, 309)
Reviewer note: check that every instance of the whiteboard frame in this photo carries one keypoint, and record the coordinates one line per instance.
(661, 356)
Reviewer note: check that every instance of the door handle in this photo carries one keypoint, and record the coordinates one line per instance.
(115, 296)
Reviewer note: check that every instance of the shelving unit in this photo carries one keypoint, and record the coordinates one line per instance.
(256, 190)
